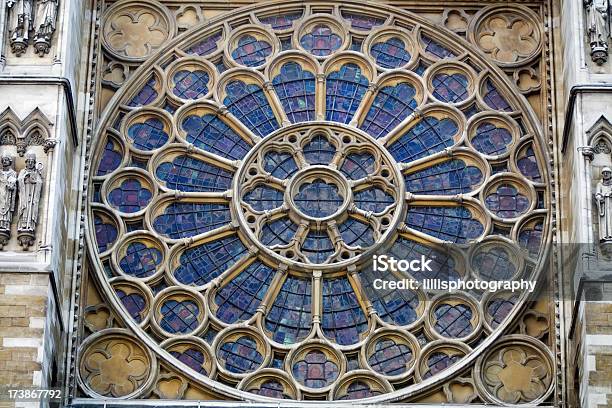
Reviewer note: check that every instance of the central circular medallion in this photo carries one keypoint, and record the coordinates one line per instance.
(319, 196)
(318, 193)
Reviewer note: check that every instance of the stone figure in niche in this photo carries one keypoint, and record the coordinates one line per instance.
(8, 192)
(598, 28)
(30, 183)
(46, 17)
(20, 24)
(603, 196)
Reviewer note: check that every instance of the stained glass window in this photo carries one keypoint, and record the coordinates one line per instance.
(296, 89)
(249, 104)
(430, 135)
(321, 41)
(184, 219)
(343, 319)
(250, 51)
(451, 177)
(190, 85)
(212, 134)
(148, 135)
(187, 173)
(454, 224)
(391, 105)
(391, 53)
(345, 90)
(289, 318)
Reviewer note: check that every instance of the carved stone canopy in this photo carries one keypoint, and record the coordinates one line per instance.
(33, 130)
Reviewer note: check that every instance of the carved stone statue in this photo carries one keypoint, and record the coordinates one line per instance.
(8, 190)
(46, 18)
(30, 183)
(20, 24)
(603, 196)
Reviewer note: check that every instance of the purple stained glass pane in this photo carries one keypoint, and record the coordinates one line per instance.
(179, 317)
(251, 52)
(390, 54)
(390, 358)
(315, 370)
(270, 388)
(344, 91)
(111, 159)
(454, 224)
(363, 22)
(134, 303)
(281, 21)
(530, 239)
(494, 99)
(148, 135)
(494, 263)
(321, 41)
(391, 105)
(499, 308)
(451, 88)
(438, 362)
(359, 390)
(436, 49)
(343, 319)
(193, 358)
(507, 202)
(186, 173)
(190, 84)
(240, 356)
(358, 165)
(146, 95)
(140, 261)
(442, 263)
(206, 46)
(130, 196)
(187, 219)
(453, 321)
(528, 165)
(106, 233)
(491, 140)
(295, 88)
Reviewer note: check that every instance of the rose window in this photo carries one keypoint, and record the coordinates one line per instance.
(243, 180)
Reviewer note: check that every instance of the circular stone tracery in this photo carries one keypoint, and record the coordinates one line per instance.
(319, 199)
(242, 190)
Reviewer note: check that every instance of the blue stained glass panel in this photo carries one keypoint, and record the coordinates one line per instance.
(454, 224)
(499, 308)
(491, 140)
(319, 151)
(321, 41)
(179, 316)
(436, 49)
(451, 88)
(531, 238)
(146, 95)
(249, 104)
(453, 321)
(201, 264)
(391, 53)
(318, 199)
(278, 232)
(251, 52)
(430, 135)
(289, 318)
(448, 178)
(373, 199)
(442, 264)
(356, 233)
(263, 198)
(528, 165)
(390, 358)
(363, 22)
(206, 46)
(190, 84)
(281, 21)
(315, 370)
(317, 246)
(212, 134)
(494, 99)
(358, 165)
(187, 173)
(279, 164)
(507, 202)
(106, 233)
(140, 261)
(240, 356)
(270, 388)
(111, 159)
(130, 196)
(134, 303)
(295, 88)
(494, 263)
(239, 299)
(438, 362)
(391, 105)
(343, 319)
(344, 91)
(193, 358)
(184, 219)
(148, 135)
(359, 390)
(396, 307)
